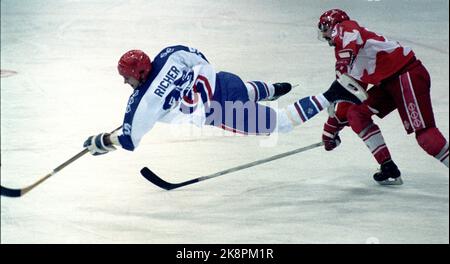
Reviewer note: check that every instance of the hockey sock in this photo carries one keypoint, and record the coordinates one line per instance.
(434, 143)
(258, 90)
(300, 112)
(360, 119)
(443, 155)
(374, 140)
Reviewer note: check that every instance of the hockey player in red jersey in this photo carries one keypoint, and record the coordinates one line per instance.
(400, 81)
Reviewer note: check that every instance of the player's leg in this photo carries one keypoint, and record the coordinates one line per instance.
(238, 113)
(300, 112)
(262, 91)
(233, 91)
(360, 120)
(248, 118)
(415, 108)
(254, 118)
(242, 114)
(261, 119)
(308, 107)
(434, 143)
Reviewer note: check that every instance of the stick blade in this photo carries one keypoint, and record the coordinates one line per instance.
(153, 178)
(10, 192)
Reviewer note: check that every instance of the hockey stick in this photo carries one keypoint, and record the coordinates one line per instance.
(20, 192)
(153, 178)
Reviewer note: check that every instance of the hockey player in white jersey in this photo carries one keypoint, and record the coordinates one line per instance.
(181, 85)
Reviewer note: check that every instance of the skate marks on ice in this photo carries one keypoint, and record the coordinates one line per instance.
(7, 73)
(346, 189)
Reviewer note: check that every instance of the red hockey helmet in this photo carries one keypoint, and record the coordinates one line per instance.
(136, 64)
(332, 17)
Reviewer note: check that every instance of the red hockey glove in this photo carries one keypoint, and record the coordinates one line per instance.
(330, 135)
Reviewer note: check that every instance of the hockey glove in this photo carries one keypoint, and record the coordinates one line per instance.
(330, 135)
(97, 146)
(330, 143)
(338, 93)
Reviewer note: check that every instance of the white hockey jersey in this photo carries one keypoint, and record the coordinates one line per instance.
(181, 82)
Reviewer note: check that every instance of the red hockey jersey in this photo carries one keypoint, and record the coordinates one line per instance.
(366, 56)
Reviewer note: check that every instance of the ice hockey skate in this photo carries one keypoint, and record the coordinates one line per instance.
(280, 90)
(389, 174)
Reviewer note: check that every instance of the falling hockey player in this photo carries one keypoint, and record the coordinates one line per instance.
(181, 84)
(400, 81)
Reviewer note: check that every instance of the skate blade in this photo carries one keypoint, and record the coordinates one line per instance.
(271, 99)
(391, 181)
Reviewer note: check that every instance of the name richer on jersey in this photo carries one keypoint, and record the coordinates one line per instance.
(171, 75)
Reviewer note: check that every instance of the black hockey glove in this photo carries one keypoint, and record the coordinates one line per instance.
(97, 146)
(337, 93)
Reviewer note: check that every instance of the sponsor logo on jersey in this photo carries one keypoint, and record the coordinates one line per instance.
(131, 101)
(126, 129)
(414, 114)
(167, 52)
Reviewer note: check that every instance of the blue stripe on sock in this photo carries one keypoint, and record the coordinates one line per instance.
(308, 107)
(261, 90)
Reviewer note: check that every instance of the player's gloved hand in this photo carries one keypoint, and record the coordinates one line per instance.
(330, 134)
(97, 145)
(331, 143)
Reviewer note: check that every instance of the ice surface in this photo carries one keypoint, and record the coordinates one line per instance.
(67, 88)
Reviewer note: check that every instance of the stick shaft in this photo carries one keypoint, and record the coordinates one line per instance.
(258, 162)
(19, 192)
(55, 170)
(155, 179)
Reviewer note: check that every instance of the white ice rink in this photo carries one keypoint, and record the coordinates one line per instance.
(67, 88)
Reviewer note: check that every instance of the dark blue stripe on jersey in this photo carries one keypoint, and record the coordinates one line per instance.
(133, 103)
(203, 92)
(308, 107)
(166, 52)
